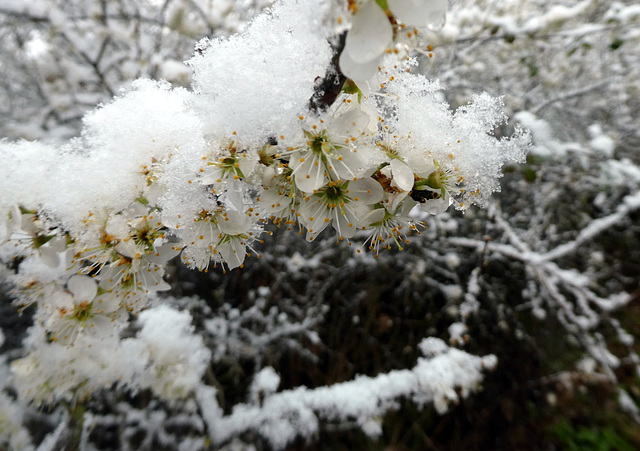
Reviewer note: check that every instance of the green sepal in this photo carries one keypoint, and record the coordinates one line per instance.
(26, 211)
(41, 240)
(265, 158)
(143, 200)
(383, 4)
(350, 87)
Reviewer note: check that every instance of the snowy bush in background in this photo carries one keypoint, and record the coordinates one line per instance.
(315, 120)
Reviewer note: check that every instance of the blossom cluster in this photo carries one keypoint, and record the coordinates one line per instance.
(89, 227)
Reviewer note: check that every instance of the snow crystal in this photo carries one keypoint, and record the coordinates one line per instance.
(461, 141)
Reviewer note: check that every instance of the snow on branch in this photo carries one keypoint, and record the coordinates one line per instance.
(628, 205)
(442, 376)
(571, 294)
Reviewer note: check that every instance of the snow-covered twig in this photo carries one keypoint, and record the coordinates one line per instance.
(444, 375)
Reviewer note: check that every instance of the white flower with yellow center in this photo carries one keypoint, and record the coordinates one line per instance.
(30, 233)
(219, 235)
(344, 203)
(279, 197)
(133, 253)
(137, 271)
(82, 310)
(386, 229)
(331, 153)
(229, 162)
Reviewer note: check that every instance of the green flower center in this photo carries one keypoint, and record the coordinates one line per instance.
(334, 194)
(82, 311)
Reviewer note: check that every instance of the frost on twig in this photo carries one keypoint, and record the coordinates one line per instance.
(573, 297)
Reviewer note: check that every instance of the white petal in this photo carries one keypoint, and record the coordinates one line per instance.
(105, 304)
(347, 165)
(196, 257)
(233, 253)
(162, 286)
(422, 165)
(235, 223)
(234, 194)
(204, 233)
(350, 124)
(58, 244)
(313, 215)
(49, 256)
(310, 173)
(402, 175)
(373, 217)
(84, 288)
(27, 223)
(111, 275)
(211, 177)
(359, 72)
(164, 253)
(128, 249)
(154, 192)
(246, 165)
(150, 278)
(269, 176)
(419, 13)
(437, 206)
(345, 227)
(370, 33)
(394, 201)
(101, 327)
(346, 221)
(59, 300)
(366, 190)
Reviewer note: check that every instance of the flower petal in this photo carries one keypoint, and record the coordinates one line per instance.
(373, 217)
(84, 288)
(366, 190)
(350, 124)
(164, 253)
(370, 34)
(233, 252)
(359, 72)
(402, 175)
(309, 172)
(235, 223)
(49, 256)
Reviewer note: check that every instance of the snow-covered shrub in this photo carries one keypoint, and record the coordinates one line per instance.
(315, 120)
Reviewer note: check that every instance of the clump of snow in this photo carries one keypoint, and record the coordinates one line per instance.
(265, 383)
(456, 333)
(460, 142)
(103, 168)
(166, 357)
(276, 61)
(600, 142)
(176, 357)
